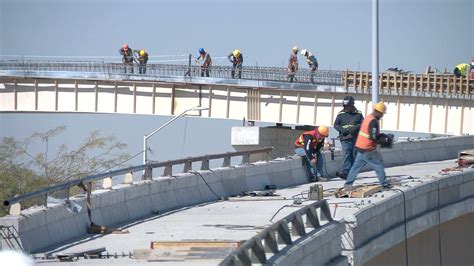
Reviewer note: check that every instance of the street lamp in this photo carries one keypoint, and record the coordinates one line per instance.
(146, 137)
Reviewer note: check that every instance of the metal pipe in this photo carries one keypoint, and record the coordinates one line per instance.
(375, 51)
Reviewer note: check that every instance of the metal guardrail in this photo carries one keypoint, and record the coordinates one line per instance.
(327, 77)
(147, 168)
(255, 250)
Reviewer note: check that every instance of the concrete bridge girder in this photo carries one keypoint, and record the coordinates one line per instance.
(405, 113)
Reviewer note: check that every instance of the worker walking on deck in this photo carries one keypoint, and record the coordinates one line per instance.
(348, 123)
(366, 145)
(142, 56)
(461, 70)
(205, 61)
(236, 58)
(293, 63)
(309, 145)
(312, 63)
(127, 57)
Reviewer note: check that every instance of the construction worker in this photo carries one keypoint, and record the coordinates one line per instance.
(461, 70)
(366, 145)
(236, 58)
(309, 145)
(127, 57)
(312, 63)
(205, 61)
(293, 63)
(142, 56)
(348, 123)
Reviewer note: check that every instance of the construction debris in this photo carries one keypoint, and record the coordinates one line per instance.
(186, 250)
(257, 195)
(357, 191)
(466, 158)
(100, 229)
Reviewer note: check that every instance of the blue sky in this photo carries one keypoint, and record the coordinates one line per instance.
(413, 33)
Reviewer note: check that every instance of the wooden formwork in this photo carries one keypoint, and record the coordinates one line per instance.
(406, 84)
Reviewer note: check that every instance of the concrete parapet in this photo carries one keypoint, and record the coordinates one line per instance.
(52, 226)
(375, 229)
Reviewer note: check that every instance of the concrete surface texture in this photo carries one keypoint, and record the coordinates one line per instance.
(370, 221)
(240, 220)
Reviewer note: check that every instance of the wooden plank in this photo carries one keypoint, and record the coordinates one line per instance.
(194, 243)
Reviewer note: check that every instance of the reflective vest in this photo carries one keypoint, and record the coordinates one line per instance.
(317, 138)
(463, 68)
(364, 141)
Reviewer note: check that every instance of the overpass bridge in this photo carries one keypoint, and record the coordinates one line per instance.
(193, 217)
(368, 231)
(421, 103)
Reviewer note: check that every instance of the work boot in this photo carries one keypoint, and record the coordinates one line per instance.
(341, 175)
(322, 179)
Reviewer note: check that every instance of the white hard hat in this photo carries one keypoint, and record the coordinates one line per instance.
(303, 52)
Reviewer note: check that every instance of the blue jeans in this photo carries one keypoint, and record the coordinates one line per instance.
(349, 155)
(310, 170)
(371, 158)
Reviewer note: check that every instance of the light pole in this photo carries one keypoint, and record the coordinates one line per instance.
(375, 51)
(146, 137)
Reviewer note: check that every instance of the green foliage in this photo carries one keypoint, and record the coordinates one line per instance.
(22, 172)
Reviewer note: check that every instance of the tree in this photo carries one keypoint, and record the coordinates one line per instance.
(22, 172)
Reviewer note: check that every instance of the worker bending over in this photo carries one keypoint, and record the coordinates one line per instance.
(293, 63)
(205, 61)
(312, 63)
(236, 58)
(461, 70)
(348, 123)
(366, 145)
(127, 57)
(309, 145)
(142, 60)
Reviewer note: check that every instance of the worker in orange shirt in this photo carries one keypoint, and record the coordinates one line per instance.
(366, 145)
(309, 145)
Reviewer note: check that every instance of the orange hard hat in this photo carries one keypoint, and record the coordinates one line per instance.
(323, 130)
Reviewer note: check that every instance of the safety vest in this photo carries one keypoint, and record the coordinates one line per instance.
(463, 68)
(364, 141)
(317, 138)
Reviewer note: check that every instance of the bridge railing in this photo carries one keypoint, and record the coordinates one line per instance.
(283, 233)
(410, 84)
(86, 182)
(160, 70)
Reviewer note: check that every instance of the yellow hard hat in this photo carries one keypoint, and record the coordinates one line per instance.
(380, 107)
(295, 49)
(323, 130)
(142, 52)
(236, 53)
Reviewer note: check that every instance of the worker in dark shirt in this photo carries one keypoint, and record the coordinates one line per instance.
(366, 145)
(309, 145)
(347, 123)
(127, 57)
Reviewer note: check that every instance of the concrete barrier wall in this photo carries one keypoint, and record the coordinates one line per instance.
(321, 248)
(45, 227)
(41, 228)
(379, 228)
